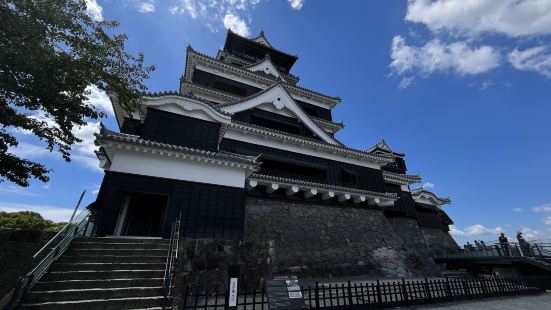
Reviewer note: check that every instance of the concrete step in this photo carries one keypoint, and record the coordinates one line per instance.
(106, 266)
(93, 293)
(123, 240)
(97, 304)
(103, 283)
(111, 259)
(98, 275)
(117, 245)
(116, 252)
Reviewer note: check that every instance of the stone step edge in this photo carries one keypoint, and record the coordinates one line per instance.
(76, 302)
(118, 279)
(108, 271)
(94, 264)
(97, 289)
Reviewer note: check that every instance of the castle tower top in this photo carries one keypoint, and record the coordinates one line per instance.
(255, 49)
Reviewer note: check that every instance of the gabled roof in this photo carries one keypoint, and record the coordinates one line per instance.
(193, 56)
(280, 98)
(266, 66)
(400, 179)
(382, 146)
(262, 40)
(421, 194)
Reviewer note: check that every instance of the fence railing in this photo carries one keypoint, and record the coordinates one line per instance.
(171, 259)
(541, 251)
(81, 225)
(378, 294)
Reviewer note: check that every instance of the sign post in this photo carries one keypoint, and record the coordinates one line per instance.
(233, 288)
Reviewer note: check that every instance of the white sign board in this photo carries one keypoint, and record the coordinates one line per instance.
(232, 298)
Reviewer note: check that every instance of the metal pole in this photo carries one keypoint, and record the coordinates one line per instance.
(78, 205)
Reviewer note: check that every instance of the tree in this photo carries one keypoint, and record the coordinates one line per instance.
(28, 220)
(50, 52)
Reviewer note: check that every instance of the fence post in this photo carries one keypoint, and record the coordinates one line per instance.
(349, 294)
(317, 296)
(466, 288)
(405, 292)
(449, 289)
(427, 289)
(379, 297)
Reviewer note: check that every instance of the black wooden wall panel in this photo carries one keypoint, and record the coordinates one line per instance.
(221, 83)
(405, 205)
(208, 211)
(131, 126)
(248, 115)
(368, 178)
(316, 111)
(181, 130)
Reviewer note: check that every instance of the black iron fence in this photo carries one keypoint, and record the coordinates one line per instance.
(379, 294)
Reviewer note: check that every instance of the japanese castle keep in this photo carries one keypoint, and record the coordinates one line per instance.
(242, 152)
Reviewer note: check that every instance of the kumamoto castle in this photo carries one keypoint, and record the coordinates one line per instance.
(235, 184)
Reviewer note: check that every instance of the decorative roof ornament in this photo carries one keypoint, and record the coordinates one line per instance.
(383, 147)
(261, 39)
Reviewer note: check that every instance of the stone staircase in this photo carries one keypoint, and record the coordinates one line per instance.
(103, 273)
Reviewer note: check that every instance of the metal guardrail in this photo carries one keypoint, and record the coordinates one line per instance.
(81, 225)
(171, 260)
(539, 251)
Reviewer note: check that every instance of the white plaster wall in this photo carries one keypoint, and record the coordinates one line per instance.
(177, 168)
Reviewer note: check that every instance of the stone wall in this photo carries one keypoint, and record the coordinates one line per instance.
(412, 237)
(16, 250)
(204, 263)
(325, 241)
(439, 240)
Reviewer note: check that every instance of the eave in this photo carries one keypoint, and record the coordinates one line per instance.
(110, 141)
(226, 98)
(326, 191)
(400, 179)
(421, 193)
(193, 56)
(307, 142)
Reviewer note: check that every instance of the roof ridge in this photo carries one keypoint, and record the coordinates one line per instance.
(252, 40)
(337, 99)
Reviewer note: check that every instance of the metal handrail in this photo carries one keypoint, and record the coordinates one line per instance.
(78, 226)
(533, 250)
(171, 259)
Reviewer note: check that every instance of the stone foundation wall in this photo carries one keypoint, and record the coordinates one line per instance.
(412, 237)
(439, 240)
(322, 240)
(16, 250)
(203, 263)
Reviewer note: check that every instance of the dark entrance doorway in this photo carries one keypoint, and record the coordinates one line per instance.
(141, 215)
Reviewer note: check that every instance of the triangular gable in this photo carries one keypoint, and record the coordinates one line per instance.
(267, 66)
(261, 39)
(382, 147)
(280, 98)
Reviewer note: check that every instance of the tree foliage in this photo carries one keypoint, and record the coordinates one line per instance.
(28, 220)
(50, 52)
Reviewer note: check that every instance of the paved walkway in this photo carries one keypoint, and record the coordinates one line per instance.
(534, 302)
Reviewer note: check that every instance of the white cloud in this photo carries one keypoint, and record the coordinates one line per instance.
(512, 18)
(546, 207)
(29, 150)
(547, 220)
(146, 7)
(517, 210)
(475, 230)
(99, 99)
(436, 56)
(529, 233)
(236, 24)
(94, 10)
(406, 82)
(428, 185)
(17, 190)
(537, 59)
(53, 213)
(296, 4)
(217, 13)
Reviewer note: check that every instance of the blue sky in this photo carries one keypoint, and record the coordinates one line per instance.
(463, 89)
